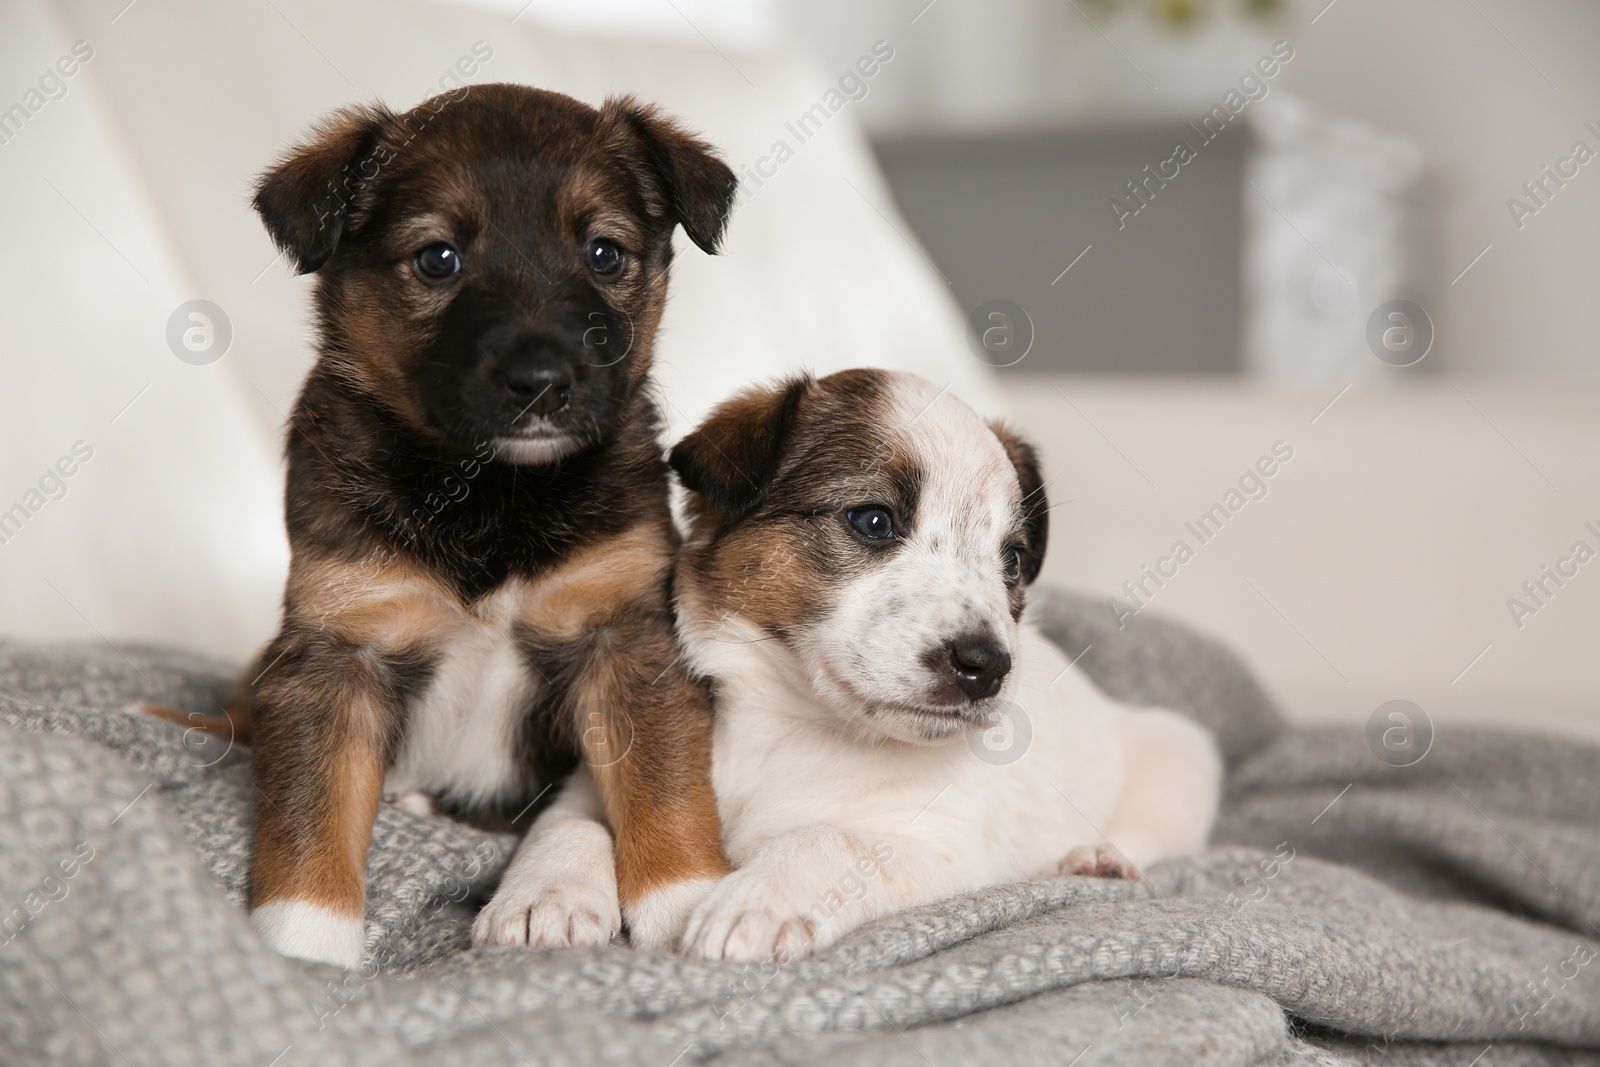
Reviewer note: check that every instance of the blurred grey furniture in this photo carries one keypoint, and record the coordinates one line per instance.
(1004, 214)
(1266, 253)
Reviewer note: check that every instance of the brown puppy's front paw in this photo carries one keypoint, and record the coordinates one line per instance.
(1095, 861)
(560, 891)
(308, 931)
(572, 916)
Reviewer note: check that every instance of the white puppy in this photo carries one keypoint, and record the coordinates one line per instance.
(890, 729)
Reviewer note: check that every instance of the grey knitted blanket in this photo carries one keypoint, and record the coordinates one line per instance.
(1351, 912)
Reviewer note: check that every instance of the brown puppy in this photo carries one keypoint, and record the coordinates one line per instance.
(477, 605)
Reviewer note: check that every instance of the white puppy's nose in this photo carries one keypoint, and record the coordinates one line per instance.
(977, 663)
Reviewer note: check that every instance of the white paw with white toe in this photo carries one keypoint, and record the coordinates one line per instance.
(657, 919)
(561, 890)
(306, 931)
(748, 918)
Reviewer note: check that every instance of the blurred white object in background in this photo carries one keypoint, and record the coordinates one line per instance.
(1336, 225)
(169, 525)
(129, 196)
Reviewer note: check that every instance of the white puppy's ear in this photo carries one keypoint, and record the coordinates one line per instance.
(1035, 508)
(730, 459)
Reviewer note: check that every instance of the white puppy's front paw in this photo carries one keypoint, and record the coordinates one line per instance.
(750, 919)
(562, 893)
(1095, 861)
(657, 919)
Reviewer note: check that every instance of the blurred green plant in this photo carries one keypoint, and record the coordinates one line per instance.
(1183, 14)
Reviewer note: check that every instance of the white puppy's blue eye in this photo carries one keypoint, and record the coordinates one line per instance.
(875, 523)
(1011, 559)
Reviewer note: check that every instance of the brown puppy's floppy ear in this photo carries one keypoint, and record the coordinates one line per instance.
(697, 186)
(730, 458)
(1035, 508)
(306, 199)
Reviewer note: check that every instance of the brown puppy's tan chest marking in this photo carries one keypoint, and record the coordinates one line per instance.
(596, 582)
(459, 733)
(392, 605)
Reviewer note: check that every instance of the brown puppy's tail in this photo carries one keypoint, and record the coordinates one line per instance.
(232, 725)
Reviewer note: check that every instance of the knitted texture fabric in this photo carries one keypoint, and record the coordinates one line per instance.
(1349, 911)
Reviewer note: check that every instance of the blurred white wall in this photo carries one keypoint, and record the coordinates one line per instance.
(1378, 563)
(1028, 63)
(1491, 90)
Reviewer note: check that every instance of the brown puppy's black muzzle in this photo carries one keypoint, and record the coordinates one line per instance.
(493, 374)
(536, 371)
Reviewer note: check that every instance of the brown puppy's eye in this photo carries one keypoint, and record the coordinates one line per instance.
(438, 262)
(604, 257)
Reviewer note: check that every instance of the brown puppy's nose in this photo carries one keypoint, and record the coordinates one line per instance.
(544, 391)
(979, 664)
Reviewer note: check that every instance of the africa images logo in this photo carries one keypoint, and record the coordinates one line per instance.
(199, 332)
(52, 85)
